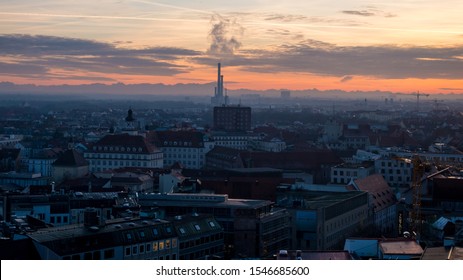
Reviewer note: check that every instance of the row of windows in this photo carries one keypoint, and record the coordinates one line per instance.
(397, 171)
(150, 247)
(200, 241)
(58, 219)
(175, 143)
(396, 164)
(124, 156)
(119, 163)
(348, 173)
(188, 163)
(181, 156)
(117, 149)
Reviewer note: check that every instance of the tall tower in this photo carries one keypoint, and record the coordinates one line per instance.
(218, 99)
(130, 123)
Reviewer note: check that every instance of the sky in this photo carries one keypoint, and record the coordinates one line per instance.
(400, 46)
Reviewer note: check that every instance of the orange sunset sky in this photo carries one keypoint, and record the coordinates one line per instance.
(400, 46)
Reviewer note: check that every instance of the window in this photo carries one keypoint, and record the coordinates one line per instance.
(161, 245)
(168, 244)
(127, 251)
(142, 234)
(155, 246)
(169, 230)
(197, 227)
(182, 230)
(212, 224)
(129, 236)
(148, 247)
(174, 243)
(134, 250)
(141, 249)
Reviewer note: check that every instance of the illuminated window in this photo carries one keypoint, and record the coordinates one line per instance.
(168, 244)
(155, 246)
(161, 245)
(174, 243)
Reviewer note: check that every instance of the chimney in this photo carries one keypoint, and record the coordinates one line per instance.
(219, 91)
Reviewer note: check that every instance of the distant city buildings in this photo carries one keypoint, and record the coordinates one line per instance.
(307, 178)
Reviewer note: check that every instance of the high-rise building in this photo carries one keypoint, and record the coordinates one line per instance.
(232, 118)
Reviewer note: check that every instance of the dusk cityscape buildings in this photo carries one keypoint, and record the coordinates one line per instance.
(230, 181)
(224, 131)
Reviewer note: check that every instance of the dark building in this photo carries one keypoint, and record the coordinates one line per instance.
(185, 237)
(232, 118)
(252, 228)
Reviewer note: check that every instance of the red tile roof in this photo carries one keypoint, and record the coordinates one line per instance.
(380, 192)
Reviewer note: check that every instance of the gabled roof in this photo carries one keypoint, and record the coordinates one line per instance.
(123, 143)
(71, 158)
(381, 193)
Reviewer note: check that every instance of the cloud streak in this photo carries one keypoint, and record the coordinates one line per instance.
(381, 62)
(41, 55)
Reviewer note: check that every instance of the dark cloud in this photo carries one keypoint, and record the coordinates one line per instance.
(285, 17)
(453, 89)
(385, 62)
(223, 36)
(369, 12)
(37, 55)
(346, 79)
(359, 13)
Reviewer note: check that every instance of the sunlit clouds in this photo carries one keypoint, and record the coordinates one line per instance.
(348, 45)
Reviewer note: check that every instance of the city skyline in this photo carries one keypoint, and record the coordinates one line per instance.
(355, 45)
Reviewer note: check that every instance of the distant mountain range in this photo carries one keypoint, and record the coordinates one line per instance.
(193, 90)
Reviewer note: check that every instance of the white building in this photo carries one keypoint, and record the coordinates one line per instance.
(239, 141)
(396, 172)
(344, 173)
(188, 148)
(123, 150)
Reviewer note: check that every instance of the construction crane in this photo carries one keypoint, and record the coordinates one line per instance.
(418, 94)
(414, 218)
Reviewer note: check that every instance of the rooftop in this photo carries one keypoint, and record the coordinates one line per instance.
(199, 200)
(409, 247)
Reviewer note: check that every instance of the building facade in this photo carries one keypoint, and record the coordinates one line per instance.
(232, 118)
(123, 150)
